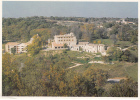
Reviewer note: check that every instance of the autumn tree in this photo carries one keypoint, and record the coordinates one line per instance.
(99, 42)
(35, 46)
(126, 88)
(11, 81)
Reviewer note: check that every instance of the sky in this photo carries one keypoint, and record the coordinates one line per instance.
(16, 9)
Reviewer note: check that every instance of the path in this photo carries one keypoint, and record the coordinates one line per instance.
(75, 65)
(128, 47)
(100, 62)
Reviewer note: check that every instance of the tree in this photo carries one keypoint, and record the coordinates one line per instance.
(13, 50)
(94, 42)
(99, 42)
(65, 45)
(126, 88)
(11, 82)
(35, 46)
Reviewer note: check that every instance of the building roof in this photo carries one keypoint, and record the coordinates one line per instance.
(24, 44)
(55, 44)
(82, 43)
(12, 43)
(96, 44)
(27, 43)
(93, 44)
(70, 34)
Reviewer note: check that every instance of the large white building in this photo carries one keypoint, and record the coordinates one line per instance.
(60, 40)
(71, 41)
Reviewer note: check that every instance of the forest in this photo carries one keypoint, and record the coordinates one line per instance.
(22, 29)
(47, 73)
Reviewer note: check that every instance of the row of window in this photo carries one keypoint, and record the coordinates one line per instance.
(65, 40)
(65, 37)
(58, 47)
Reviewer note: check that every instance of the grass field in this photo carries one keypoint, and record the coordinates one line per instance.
(133, 71)
(109, 42)
(124, 44)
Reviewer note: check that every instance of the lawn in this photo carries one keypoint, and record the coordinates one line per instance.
(133, 71)
(124, 44)
(107, 42)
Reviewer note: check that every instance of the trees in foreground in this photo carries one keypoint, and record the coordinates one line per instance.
(41, 77)
(126, 88)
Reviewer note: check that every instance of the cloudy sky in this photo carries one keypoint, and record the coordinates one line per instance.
(17, 9)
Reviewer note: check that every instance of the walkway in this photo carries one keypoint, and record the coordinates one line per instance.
(75, 65)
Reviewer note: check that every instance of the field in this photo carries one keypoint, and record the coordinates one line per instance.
(109, 42)
(118, 69)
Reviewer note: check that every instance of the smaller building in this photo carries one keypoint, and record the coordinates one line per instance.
(57, 46)
(10, 45)
(19, 47)
(75, 48)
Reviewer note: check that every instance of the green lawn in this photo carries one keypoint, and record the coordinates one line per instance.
(107, 42)
(124, 44)
(133, 71)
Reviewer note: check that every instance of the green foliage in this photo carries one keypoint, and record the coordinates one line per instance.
(65, 45)
(35, 46)
(118, 55)
(108, 25)
(98, 76)
(11, 81)
(126, 88)
(21, 29)
(44, 33)
(45, 76)
(13, 50)
(134, 39)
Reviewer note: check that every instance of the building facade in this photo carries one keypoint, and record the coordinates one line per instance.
(71, 41)
(19, 47)
(68, 39)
